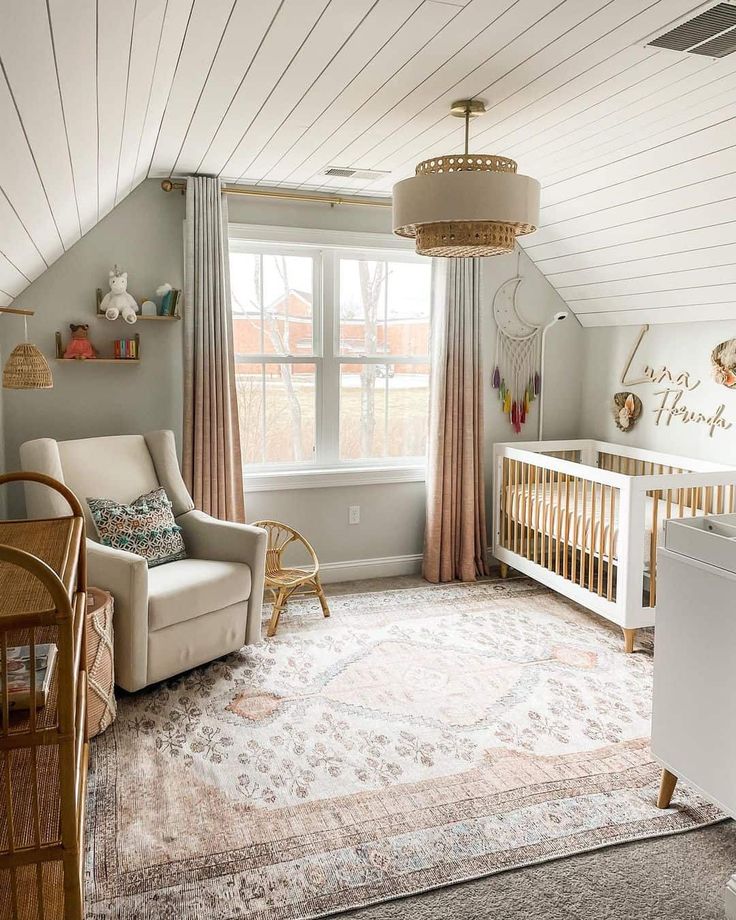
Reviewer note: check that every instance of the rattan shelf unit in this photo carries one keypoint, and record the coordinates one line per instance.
(43, 752)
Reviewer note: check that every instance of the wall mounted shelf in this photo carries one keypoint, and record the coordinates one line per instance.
(166, 319)
(169, 317)
(100, 360)
(105, 359)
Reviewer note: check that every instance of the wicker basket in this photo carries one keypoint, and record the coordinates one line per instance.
(101, 707)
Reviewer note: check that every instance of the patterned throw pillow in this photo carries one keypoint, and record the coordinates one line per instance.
(145, 527)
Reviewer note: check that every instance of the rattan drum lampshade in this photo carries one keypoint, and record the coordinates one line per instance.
(464, 205)
(26, 368)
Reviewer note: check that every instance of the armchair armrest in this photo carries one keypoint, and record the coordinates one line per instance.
(125, 576)
(206, 537)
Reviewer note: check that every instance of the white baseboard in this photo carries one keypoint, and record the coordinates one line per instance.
(384, 567)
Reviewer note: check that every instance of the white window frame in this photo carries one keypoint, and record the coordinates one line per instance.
(326, 469)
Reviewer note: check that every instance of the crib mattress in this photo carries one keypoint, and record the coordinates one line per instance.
(580, 524)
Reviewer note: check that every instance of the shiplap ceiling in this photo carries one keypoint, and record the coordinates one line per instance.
(635, 147)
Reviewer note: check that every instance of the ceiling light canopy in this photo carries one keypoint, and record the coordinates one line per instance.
(464, 205)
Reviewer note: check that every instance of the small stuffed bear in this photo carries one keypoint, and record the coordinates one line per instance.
(80, 346)
(118, 302)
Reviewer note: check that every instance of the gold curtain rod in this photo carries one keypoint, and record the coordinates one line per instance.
(170, 185)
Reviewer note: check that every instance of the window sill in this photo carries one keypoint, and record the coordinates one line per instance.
(279, 481)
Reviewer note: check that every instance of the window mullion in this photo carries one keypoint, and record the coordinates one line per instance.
(329, 446)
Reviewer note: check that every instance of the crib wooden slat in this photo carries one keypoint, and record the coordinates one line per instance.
(514, 506)
(566, 544)
(601, 537)
(535, 513)
(558, 524)
(541, 517)
(523, 493)
(575, 489)
(591, 561)
(529, 506)
(611, 533)
(505, 503)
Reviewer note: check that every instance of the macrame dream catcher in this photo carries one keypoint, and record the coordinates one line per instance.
(518, 355)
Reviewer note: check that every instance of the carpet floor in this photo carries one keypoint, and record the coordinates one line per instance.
(419, 738)
(681, 877)
(670, 878)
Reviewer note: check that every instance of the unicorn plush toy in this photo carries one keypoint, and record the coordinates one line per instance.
(117, 301)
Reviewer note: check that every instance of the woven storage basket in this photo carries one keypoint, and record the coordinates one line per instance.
(101, 707)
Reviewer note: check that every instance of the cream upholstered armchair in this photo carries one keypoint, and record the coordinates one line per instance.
(177, 615)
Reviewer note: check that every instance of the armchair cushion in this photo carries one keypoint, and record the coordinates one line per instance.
(180, 591)
(145, 527)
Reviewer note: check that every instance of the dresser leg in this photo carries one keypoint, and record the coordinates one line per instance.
(629, 637)
(504, 570)
(666, 789)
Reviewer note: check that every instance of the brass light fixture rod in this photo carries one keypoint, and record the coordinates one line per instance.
(467, 109)
(171, 185)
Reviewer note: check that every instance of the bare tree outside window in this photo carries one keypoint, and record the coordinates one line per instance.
(371, 289)
(365, 399)
(279, 336)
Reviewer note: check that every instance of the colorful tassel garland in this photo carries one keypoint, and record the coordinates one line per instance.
(496, 379)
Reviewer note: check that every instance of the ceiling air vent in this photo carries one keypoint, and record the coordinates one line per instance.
(346, 172)
(711, 33)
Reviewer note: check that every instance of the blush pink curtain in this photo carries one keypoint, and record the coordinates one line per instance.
(455, 535)
(212, 466)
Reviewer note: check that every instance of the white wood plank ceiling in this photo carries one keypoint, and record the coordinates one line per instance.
(635, 147)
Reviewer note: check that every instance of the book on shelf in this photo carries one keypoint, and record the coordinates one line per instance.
(19, 675)
(169, 303)
(125, 349)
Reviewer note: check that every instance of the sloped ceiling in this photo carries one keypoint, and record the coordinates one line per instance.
(634, 146)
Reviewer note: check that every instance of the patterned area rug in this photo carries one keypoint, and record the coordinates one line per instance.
(417, 738)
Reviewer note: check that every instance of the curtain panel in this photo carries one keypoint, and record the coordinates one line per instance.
(212, 466)
(455, 534)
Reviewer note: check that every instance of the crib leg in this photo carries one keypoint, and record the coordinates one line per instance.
(629, 637)
(504, 570)
(666, 789)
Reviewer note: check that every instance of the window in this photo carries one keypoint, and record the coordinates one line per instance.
(331, 355)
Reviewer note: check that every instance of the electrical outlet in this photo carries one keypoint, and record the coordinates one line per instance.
(354, 514)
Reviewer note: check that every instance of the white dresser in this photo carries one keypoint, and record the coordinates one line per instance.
(695, 661)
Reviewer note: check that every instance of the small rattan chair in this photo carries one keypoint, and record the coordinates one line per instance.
(284, 581)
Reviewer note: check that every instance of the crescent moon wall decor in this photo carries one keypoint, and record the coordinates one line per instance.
(516, 372)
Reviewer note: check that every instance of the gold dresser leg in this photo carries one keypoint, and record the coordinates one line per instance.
(504, 570)
(629, 637)
(666, 789)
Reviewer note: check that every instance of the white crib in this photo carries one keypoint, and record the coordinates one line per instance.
(585, 517)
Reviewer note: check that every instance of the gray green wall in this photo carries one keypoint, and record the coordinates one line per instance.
(144, 235)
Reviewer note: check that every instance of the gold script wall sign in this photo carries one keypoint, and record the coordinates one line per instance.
(671, 405)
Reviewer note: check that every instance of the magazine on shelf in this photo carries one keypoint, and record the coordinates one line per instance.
(19, 675)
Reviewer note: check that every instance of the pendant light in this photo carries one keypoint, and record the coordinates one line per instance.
(26, 368)
(465, 205)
